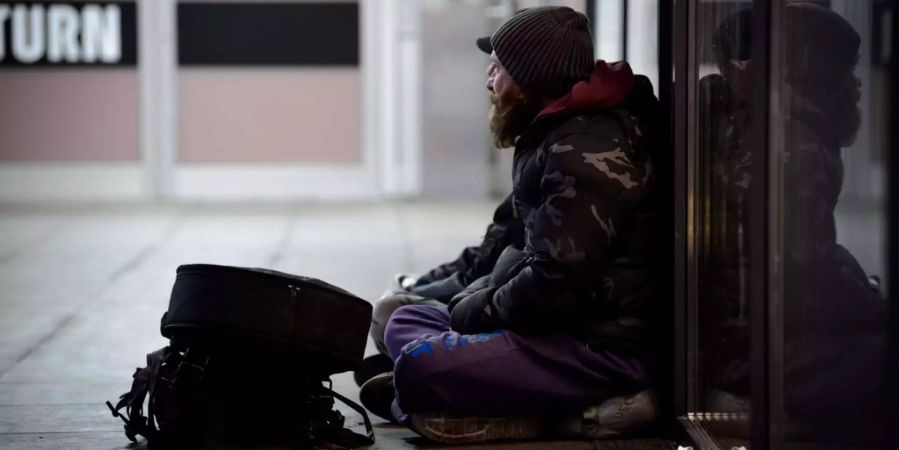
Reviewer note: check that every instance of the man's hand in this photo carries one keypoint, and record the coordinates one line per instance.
(472, 313)
(472, 288)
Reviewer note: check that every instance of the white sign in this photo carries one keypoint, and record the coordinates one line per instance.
(61, 33)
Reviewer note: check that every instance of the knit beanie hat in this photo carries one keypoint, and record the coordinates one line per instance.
(546, 50)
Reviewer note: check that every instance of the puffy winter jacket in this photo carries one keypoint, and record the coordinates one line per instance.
(576, 227)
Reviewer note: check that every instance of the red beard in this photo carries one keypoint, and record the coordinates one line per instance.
(511, 113)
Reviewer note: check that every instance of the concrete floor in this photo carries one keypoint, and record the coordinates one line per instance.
(83, 290)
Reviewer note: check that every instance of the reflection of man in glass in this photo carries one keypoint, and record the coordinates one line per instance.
(542, 329)
(833, 315)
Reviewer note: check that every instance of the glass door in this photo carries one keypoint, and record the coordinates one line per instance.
(786, 229)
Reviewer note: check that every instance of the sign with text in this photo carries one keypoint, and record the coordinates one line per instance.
(68, 34)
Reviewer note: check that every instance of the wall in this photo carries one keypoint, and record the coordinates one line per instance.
(160, 128)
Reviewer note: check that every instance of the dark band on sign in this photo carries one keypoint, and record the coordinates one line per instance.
(68, 34)
(277, 34)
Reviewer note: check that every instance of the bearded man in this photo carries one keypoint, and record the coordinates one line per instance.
(541, 330)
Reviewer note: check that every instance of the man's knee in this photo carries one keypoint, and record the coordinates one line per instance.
(411, 381)
(381, 314)
(397, 325)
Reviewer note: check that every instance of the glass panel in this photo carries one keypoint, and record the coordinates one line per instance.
(722, 390)
(642, 39)
(832, 82)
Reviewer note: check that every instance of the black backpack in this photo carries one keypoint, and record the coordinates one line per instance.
(248, 363)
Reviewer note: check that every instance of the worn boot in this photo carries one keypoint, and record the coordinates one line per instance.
(454, 429)
(377, 395)
(620, 416)
(616, 417)
(372, 365)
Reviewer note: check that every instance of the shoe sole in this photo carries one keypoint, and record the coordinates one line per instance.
(459, 430)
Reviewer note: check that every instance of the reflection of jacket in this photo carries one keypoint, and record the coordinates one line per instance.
(829, 292)
(813, 176)
(830, 311)
(580, 212)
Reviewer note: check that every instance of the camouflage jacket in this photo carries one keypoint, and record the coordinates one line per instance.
(575, 230)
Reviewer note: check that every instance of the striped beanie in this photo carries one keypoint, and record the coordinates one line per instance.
(546, 50)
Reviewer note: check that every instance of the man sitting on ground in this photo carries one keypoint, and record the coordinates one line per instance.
(542, 329)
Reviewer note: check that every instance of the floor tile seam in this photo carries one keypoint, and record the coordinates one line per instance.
(38, 433)
(145, 253)
(44, 404)
(284, 240)
(129, 266)
(32, 244)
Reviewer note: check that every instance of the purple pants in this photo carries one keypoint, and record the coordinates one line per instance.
(500, 373)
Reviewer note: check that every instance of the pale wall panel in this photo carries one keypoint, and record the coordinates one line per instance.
(68, 115)
(273, 115)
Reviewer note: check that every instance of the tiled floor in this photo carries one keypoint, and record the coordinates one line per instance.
(82, 290)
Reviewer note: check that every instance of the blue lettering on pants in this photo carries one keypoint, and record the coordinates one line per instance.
(418, 348)
(448, 341)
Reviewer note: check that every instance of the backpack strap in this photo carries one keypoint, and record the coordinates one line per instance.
(136, 423)
(343, 437)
